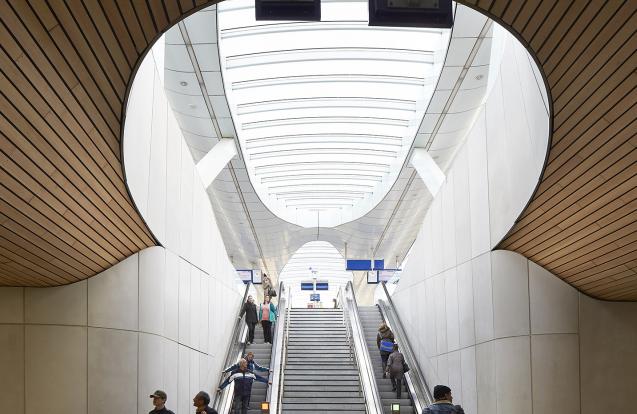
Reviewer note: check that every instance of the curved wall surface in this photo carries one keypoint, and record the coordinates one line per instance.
(160, 319)
(506, 335)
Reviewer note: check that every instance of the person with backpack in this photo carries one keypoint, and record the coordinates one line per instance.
(250, 311)
(267, 316)
(385, 343)
(443, 403)
(243, 379)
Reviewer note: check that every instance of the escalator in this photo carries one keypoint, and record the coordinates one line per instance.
(264, 355)
(320, 374)
(371, 319)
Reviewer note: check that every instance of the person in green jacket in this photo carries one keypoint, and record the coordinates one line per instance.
(267, 315)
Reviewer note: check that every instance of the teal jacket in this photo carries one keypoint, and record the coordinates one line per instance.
(272, 312)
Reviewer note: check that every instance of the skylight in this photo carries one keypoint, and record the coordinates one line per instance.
(325, 112)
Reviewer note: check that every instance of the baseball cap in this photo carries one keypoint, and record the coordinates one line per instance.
(159, 394)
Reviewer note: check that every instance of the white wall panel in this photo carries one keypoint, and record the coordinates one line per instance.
(112, 367)
(468, 378)
(466, 317)
(113, 296)
(486, 377)
(11, 305)
(55, 368)
(509, 274)
(12, 363)
(554, 307)
(63, 305)
(556, 376)
(478, 188)
(483, 297)
(151, 364)
(152, 293)
(451, 310)
(513, 375)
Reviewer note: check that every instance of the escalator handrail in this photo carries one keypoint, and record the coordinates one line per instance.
(419, 390)
(277, 362)
(373, 402)
(239, 332)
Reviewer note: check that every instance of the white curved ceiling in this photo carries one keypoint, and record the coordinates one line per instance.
(253, 235)
(327, 111)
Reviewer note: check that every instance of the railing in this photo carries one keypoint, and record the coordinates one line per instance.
(416, 383)
(223, 400)
(278, 359)
(373, 403)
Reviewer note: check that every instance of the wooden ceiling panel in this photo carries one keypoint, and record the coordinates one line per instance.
(65, 212)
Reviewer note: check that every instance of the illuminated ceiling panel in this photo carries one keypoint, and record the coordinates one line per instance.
(325, 112)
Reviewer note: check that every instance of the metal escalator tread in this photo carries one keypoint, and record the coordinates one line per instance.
(371, 319)
(320, 375)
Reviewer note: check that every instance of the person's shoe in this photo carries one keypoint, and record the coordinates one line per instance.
(393, 388)
(384, 375)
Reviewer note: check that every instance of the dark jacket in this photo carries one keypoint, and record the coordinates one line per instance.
(443, 407)
(242, 382)
(395, 364)
(384, 333)
(162, 411)
(250, 310)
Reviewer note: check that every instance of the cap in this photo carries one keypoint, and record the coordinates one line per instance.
(159, 394)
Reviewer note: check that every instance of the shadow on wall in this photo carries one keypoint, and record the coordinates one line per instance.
(505, 334)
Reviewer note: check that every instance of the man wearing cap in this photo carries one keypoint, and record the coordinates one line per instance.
(159, 401)
(443, 403)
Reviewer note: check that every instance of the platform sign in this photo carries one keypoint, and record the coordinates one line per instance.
(307, 286)
(357, 265)
(322, 286)
(245, 275)
(315, 297)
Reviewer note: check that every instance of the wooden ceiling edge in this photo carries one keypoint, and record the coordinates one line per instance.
(540, 179)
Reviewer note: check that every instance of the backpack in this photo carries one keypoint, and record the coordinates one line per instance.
(387, 345)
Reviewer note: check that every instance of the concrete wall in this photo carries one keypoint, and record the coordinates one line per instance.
(505, 334)
(160, 319)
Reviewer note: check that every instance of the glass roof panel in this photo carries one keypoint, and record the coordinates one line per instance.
(325, 110)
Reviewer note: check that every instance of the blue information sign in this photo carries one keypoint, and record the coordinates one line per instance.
(315, 297)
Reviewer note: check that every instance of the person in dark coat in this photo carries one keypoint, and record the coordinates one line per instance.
(159, 401)
(396, 370)
(250, 311)
(243, 379)
(201, 401)
(384, 333)
(443, 403)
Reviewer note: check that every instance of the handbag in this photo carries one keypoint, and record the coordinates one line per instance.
(272, 293)
(405, 367)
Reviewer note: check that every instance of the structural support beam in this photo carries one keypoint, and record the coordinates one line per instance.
(427, 169)
(213, 162)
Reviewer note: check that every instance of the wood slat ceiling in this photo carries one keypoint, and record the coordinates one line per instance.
(65, 213)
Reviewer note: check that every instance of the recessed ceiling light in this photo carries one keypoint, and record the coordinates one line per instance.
(183, 83)
(479, 77)
(192, 106)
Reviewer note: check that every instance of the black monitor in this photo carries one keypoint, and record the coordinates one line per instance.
(411, 13)
(304, 10)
